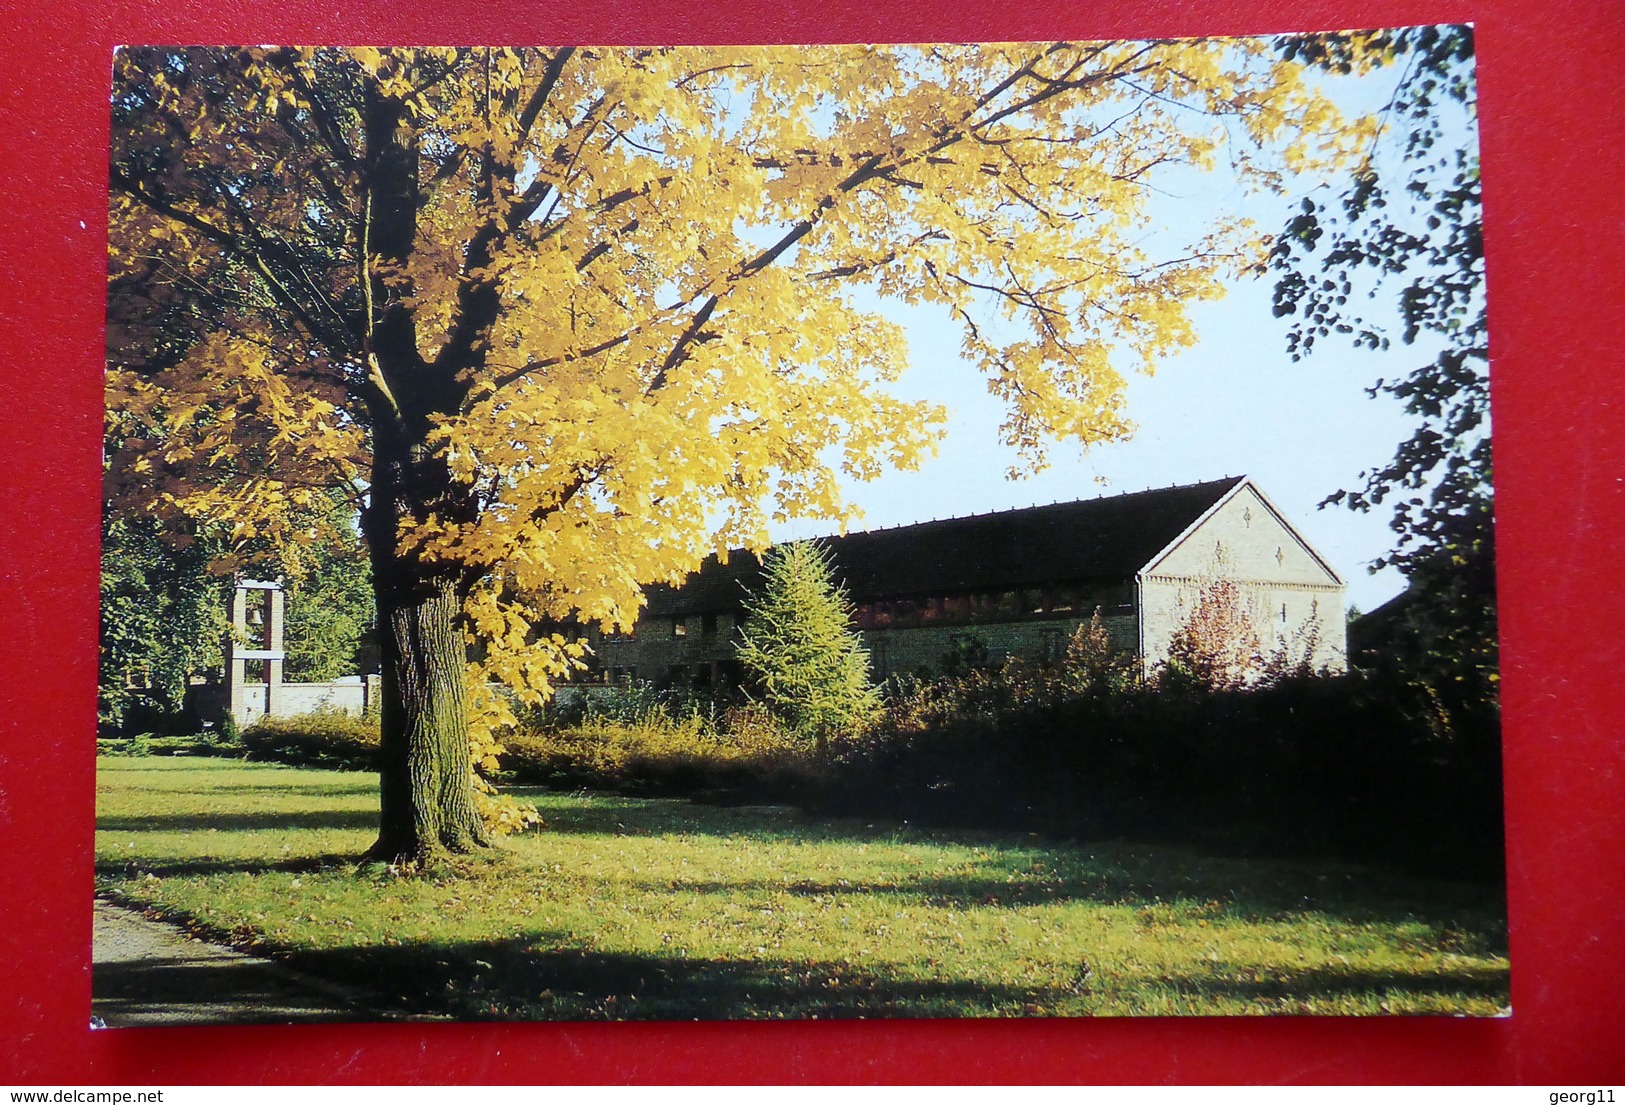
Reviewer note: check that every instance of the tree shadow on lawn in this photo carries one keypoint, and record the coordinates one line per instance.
(523, 979)
(593, 814)
(516, 979)
(206, 866)
(997, 886)
(336, 788)
(238, 822)
(1110, 870)
(170, 991)
(156, 765)
(526, 979)
(1021, 871)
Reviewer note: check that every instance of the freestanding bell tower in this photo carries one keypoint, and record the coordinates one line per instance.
(256, 638)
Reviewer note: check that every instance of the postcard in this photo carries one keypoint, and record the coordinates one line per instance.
(946, 530)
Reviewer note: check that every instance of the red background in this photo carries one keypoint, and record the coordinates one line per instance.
(1553, 124)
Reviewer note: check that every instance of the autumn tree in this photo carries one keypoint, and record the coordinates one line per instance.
(800, 649)
(1217, 644)
(1095, 664)
(562, 321)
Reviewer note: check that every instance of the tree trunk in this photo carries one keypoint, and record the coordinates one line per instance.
(426, 780)
(426, 786)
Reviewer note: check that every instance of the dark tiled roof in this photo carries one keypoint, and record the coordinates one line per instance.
(1091, 541)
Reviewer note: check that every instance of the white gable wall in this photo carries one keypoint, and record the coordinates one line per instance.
(1291, 597)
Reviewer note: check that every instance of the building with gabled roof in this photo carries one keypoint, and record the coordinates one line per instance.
(1018, 583)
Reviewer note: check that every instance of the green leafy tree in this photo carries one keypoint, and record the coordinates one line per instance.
(808, 662)
(163, 617)
(329, 629)
(1406, 235)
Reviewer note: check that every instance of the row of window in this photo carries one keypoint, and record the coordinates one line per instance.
(963, 609)
(716, 673)
(679, 628)
(994, 606)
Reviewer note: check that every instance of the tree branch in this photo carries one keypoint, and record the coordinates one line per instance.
(233, 245)
(538, 99)
(326, 122)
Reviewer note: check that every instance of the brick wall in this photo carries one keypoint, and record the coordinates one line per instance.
(706, 644)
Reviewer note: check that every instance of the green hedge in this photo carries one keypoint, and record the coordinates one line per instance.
(326, 738)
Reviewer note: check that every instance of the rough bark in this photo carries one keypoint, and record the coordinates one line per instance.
(426, 785)
(426, 780)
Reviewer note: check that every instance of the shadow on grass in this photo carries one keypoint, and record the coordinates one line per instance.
(157, 765)
(1002, 886)
(1018, 870)
(169, 869)
(584, 813)
(347, 786)
(239, 822)
(168, 991)
(531, 977)
(524, 979)
(588, 814)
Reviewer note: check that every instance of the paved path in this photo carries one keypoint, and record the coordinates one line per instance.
(148, 972)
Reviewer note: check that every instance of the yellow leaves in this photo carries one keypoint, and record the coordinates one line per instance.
(226, 437)
(489, 715)
(369, 58)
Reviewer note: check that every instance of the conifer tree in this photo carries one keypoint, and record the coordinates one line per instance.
(799, 646)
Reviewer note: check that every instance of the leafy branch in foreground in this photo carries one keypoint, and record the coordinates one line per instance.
(1407, 232)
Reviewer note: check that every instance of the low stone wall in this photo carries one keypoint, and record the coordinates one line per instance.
(346, 695)
(355, 695)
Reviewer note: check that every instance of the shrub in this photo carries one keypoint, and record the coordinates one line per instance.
(1217, 646)
(738, 753)
(325, 738)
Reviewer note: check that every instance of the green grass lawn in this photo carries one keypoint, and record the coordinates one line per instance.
(627, 908)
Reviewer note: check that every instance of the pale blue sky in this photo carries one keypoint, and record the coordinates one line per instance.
(1234, 404)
